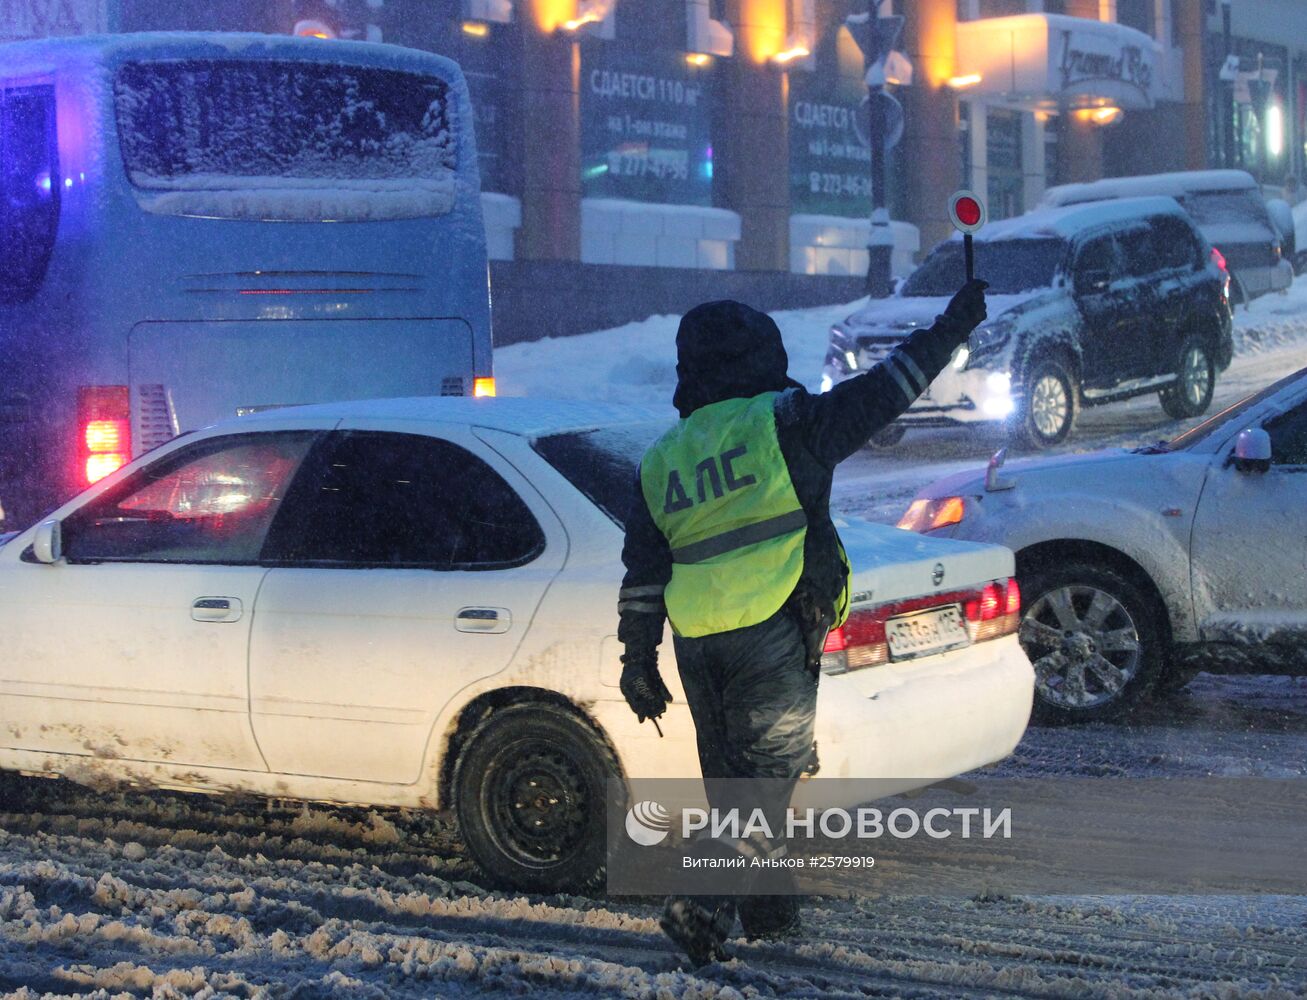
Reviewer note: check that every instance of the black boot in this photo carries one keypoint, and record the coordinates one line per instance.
(698, 930)
(772, 918)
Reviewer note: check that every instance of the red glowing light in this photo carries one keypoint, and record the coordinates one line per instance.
(968, 210)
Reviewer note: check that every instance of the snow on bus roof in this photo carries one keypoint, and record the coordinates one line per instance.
(1068, 221)
(1173, 184)
(48, 54)
(516, 415)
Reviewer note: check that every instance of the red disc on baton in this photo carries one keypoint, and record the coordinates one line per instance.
(966, 211)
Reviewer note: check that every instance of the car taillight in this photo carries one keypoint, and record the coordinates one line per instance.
(990, 611)
(104, 431)
(994, 611)
(1218, 259)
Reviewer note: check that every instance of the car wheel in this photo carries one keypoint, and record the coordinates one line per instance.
(1050, 404)
(529, 793)
(1094, 639)
(1195, 379)
(888, 437)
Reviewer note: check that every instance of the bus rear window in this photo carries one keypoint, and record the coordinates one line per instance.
(257, 127)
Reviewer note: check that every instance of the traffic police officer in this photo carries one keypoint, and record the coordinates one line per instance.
(730, 538)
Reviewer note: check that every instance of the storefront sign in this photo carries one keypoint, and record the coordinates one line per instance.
(21, 19)
(830, 150)
(1094, 59)
(644, 126)
(1041, 60)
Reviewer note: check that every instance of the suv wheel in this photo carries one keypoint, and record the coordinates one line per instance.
(1093, 638)
(529, 792)
(1195, 379)
(1052, 399)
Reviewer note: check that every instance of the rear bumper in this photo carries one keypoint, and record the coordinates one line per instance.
(921, 722)
(904, 724)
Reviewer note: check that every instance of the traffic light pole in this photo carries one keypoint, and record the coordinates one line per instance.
(880, 246)
(877, 36)
(1229, 112)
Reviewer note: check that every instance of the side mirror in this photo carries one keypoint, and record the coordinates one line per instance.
(1088, 282)
(1252, 450)
(47, 546)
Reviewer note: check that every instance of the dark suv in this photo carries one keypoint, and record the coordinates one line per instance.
(1087, 305)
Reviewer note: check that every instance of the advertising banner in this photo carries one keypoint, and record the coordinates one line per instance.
(644, 126)
(830, 149)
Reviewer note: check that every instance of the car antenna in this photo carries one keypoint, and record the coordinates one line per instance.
(992, 481)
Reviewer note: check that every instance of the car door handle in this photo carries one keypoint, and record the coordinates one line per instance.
(216, 609)
(490, 620)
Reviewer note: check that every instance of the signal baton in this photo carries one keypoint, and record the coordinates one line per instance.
(967, 213)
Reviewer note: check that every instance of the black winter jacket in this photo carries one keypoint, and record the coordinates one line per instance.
(728, 350)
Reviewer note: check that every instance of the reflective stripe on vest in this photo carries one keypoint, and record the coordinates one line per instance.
(729, 541)
(720, 492)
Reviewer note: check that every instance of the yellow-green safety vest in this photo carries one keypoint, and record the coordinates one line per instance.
(720, 492)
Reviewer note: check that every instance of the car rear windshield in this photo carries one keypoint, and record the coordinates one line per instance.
(1213, 207)
(199, 119)
(1010, 267)
(601, 463)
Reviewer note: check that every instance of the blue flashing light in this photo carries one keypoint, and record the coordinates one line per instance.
(43, 182)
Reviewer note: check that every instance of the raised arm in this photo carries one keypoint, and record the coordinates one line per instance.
(836, 424)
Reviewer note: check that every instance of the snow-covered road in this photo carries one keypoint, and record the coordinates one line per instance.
(167, 895)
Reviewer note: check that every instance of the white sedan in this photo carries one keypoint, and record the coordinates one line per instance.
(1140, 567)
(413, 603)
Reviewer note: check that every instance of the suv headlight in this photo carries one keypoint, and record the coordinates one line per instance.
(988, 340)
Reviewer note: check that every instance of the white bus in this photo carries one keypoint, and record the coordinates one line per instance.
(198, 226)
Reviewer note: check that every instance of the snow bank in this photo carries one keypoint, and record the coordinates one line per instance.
(636, 363)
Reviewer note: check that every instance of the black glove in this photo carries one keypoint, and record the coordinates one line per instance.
(642, 686)
(967, 308)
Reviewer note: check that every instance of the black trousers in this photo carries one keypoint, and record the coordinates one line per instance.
(754, 703)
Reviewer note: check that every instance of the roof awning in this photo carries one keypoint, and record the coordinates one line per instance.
(1047, 61)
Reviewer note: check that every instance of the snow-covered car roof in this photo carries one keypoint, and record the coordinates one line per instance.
(1173, 184)
(1066, 222)
(49, 54)
(528, 417)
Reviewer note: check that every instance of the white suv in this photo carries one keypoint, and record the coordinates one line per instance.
(1139, 567)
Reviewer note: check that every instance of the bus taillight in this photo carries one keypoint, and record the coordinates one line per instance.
(104, 430)
(483, 386)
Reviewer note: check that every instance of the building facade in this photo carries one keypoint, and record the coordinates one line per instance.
(639, 155)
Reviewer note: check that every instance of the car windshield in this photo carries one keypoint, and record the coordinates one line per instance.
(1010, 266)
(1212, 207)
(1200, 431)
(601, 463)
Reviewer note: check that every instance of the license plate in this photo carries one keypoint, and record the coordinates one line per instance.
(926, 632)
